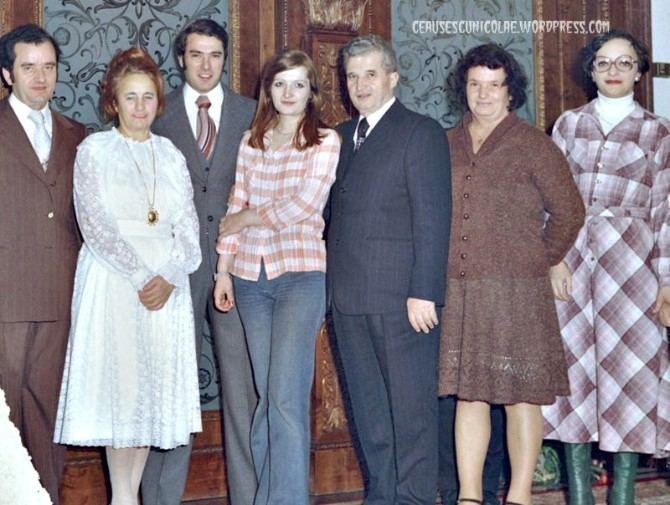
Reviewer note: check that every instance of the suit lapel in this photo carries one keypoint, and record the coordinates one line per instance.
(16, 143)
(178, 121)
(374, 142)
(347, 149)
(57, 157)
(224, 144)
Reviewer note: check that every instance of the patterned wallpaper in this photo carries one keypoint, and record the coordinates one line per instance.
(89, 32)
(429, 41)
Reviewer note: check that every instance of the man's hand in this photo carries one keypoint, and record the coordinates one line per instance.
(155, 293)
(561, 281)
(421, 314)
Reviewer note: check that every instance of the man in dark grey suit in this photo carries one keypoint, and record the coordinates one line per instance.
(387, 248)
(211, 155)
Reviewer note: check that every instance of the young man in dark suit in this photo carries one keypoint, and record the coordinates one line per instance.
(39, 243)
(209, 139)
(389, 220)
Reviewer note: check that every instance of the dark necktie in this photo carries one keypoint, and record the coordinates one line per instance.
(363, 126)
(205, 131)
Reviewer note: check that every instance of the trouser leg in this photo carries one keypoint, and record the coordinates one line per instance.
(31, 368)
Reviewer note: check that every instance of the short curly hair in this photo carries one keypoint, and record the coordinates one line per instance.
(130, 61)
(492, 56)
(588, 53)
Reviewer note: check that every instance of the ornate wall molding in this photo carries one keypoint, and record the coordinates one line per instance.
(343, 15)
(234, 45)
(538, 46)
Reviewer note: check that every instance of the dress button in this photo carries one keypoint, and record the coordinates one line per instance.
(210, 218)
(464, 238)
(206, 169)
(204, 189)
(466, 216)
(466, 195)
(463, 256)
(594, 199)
(462, 274)
(468, 177)
(50, 215)
(599, 165)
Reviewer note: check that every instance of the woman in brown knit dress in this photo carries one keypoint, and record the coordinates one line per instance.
(516, 212)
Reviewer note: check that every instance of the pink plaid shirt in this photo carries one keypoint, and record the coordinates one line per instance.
(289, 189)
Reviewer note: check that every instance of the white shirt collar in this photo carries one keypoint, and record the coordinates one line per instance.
(22, 111)
(374, 117)
(215, 96)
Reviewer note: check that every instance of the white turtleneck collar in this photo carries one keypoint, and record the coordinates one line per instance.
(611, 111)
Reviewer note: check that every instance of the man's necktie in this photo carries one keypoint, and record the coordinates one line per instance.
(42, 140)
(362, 131)
(205, 130)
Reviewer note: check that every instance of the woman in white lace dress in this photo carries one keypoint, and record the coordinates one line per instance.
(130, 378)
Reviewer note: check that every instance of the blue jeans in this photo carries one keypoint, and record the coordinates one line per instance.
(281, 318)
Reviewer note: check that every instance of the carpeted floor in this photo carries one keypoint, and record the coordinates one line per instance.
(654, 491)
(647, 492)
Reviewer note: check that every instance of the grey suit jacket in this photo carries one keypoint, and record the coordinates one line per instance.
(390, 215)
(211, 179)
(39, 240)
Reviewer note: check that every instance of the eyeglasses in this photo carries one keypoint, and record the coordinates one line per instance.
(623, 63)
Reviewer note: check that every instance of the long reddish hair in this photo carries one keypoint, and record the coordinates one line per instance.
(265, 118)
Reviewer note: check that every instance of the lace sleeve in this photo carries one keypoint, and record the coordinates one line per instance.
(185, 256)
(101, 235)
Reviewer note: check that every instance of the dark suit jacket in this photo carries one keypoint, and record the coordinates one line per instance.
(211, 179)
(389, 215)
(39, 240)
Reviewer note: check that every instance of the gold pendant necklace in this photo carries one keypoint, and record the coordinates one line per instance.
(152, 213)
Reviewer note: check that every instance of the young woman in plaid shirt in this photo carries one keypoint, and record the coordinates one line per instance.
(272, 264)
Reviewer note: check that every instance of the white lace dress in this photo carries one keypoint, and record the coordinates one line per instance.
(130, 375)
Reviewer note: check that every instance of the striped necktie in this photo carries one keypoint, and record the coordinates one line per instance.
(363, 126)
(205, 131)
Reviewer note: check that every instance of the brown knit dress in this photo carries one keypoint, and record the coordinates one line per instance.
(516, 211)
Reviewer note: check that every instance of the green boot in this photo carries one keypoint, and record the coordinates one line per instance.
(578, 464)
(625, 470)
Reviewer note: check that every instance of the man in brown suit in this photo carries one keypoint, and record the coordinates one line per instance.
(39, 242)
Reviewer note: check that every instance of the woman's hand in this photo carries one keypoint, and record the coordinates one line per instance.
(155, 293)
(235, 223)
(224, 299)
(561, 281)
(662, 306)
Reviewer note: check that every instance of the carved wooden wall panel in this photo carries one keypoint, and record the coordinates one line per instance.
(18, 12)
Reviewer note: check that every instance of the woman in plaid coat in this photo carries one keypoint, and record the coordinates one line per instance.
(614, 283)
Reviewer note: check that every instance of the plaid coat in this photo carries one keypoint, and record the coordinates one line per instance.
(617, 352)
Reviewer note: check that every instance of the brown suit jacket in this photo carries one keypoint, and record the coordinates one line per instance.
(39, 240)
